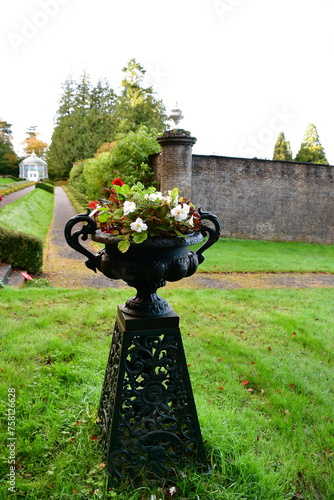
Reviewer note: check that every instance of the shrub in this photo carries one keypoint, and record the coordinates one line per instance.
(21, 250)
(15, 186)
(46, 187)
(79, 201)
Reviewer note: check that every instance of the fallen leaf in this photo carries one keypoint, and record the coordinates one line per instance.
(292, 386)
(219, 360)
(244, 382)
(221, 388)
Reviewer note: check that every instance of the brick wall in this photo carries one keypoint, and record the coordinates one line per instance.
(262, 199)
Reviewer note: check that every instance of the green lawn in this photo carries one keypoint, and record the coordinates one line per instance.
(268, 439)
(30, 214)
(5, 181)
(229, 255)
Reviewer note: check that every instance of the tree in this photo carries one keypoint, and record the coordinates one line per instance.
(90, 116)
(33, 144)
(8, 158)
(84, 121)
(282, 150)
(311, 151)
(137, 105)
(128, 159)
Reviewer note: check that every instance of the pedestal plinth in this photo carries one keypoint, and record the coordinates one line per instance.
(147, 412)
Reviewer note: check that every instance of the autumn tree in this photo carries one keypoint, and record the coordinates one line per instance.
(8, 158)
(33, 144)
(311, 150)
(282, 150)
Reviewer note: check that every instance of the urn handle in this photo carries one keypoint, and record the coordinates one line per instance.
(213, 233)
(89, 227)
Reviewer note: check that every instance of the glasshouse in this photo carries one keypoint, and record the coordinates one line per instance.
(33, 168)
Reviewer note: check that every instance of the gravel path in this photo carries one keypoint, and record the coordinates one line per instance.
(65, 267)
(9, 198)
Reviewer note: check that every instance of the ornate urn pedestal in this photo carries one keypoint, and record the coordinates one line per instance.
(147, 413)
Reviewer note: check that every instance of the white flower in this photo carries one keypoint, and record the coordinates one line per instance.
(156, 196)
(138, 225)
(129, 206)
(186, 207)
(179, 213)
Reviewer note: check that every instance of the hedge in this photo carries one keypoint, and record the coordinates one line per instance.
(79, 200)
(21, 250)
(46, 187)
(15, 186)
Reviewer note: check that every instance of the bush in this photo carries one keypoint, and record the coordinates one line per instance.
(79, 201)
(21, 250)
(46, 187)
(15, 186)
(128, 159)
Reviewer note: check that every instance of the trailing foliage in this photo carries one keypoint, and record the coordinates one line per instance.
(46, 187)
(21, 250)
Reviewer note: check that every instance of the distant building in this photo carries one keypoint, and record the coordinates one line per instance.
(33, 168)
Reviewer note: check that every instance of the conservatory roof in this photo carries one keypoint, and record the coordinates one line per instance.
(33, 159)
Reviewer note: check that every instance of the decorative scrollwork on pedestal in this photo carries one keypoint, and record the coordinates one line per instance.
(153, 424)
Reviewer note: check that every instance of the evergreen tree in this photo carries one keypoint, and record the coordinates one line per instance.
(8, 158)
(89, 116)
(311, 151)
(137, 106)
(84, 121)
(282, 150)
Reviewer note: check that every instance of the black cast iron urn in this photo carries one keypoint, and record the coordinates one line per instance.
(145, 266)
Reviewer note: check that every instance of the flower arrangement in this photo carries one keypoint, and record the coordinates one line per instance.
(136, 213)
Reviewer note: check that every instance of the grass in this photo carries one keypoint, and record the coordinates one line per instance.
(4, 181)
(30, 214)
(268, 439)
(230, 255)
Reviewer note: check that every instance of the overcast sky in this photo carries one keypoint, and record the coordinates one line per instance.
(241, 70)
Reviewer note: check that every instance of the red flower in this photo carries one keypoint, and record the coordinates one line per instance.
(93, 204)
(117, 182)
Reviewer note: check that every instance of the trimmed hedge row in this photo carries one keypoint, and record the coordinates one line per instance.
(79, 201)
(46, 187)
(15, 186)
(21, 250)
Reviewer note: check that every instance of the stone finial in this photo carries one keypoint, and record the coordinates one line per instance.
(176, 116)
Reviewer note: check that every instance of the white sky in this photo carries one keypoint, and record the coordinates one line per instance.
(241, 70)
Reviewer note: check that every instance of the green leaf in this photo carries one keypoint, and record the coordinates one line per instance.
(123, 245)
(104, 217)
(139, 237)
